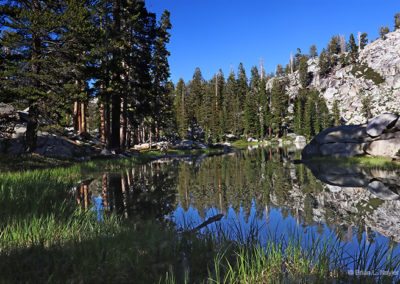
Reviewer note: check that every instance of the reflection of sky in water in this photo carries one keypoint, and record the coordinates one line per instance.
(239, 227)
(98, 207)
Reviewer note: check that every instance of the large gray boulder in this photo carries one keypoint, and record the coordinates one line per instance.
(341, 150)
(19, 130)
(380, 137)
(397, 125)
(344, 134)
(184, 144)
(6, 110)
(15, 146)
(383, 148)
(377, 125)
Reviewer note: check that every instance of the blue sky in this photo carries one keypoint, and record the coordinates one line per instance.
(214, 34)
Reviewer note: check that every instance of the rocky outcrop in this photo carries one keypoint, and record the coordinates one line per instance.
(380, 137)
(12, 122)
(350, 84)
(50, 146)
(379, 124)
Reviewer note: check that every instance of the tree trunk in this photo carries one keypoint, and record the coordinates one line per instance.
(150, 136)
(79, 118)
(76, 115)
(157, 131)
(123, 118)
(143, 134)
(115, 123)
(31, 128)
(107, 139)
(83, 118)
(128, 138)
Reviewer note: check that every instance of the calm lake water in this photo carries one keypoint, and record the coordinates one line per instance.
(260, 191)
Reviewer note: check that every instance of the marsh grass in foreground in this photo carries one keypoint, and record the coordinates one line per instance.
(80, 249)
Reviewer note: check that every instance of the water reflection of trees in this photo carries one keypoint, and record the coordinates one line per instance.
(145, 191)
(271, 180)
(265, 178)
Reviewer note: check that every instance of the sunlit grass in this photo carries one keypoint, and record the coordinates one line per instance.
(364, 161)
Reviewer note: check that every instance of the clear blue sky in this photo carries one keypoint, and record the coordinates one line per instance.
(214, 34)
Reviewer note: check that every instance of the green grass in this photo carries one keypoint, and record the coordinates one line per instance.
(364, 161)
(29, 162)
(243, 144)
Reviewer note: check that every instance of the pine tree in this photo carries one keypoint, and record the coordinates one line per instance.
(77, 52)
(299, 111)
(366, 107)
(363, 40)
(298, 117)
(30, 32)
(323, 111)
(220, 111)
(181, 108)
(160, 72)
(334, 46)
(353, 50)
(208, 109)
(336, 113)
(232, 104)
(309, 117)
(297, 57)
(252, 126)
(316, 114)
(304, 76)
(279, 70)
(323, 64)
(263, 107)
(196, 94)
(383, 30)
(313, 51)
(279, 103)
(242, 92)
(396, 21)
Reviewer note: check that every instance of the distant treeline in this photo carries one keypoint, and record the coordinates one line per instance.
(247, 107)
(241, 106)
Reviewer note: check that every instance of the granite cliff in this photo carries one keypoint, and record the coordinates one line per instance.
(350, 84)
